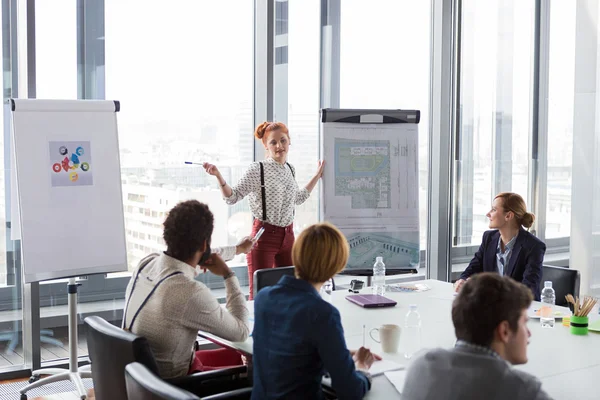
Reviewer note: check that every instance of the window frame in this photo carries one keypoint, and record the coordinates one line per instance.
(556, 248)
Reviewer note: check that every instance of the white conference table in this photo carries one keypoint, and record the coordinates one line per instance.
(566, 364)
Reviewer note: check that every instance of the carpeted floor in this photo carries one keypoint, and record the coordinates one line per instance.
(10, 391)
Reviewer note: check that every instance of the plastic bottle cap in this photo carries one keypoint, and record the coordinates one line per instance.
(379, 259)
(412, 307)
(548, 284)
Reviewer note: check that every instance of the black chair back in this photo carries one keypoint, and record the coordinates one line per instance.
(270, 276)
(111, 349)
(144, 385)
(564, 281)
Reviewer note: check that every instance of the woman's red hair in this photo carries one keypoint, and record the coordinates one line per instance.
(262, 129)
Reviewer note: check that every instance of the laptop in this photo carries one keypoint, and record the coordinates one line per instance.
(371, 300)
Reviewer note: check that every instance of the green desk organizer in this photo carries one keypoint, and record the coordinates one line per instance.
(579, 325)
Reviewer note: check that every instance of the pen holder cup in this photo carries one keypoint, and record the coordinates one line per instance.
(579, 325)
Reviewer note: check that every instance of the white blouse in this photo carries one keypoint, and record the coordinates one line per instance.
(281, 192)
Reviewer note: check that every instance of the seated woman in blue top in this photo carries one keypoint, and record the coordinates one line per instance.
(509, 249)
(298, 336)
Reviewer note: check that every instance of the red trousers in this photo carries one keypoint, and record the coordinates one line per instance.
(209, 360)
(273, 249)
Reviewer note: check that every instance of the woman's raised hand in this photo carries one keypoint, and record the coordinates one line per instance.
(211, 169)
(320, 168)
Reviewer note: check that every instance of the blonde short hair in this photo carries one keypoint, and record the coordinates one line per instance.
(320, 252)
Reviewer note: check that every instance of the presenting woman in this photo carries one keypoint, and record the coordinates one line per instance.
(509, 249)
(273, 193)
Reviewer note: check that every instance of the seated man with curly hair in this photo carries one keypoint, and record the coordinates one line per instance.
(165, 304)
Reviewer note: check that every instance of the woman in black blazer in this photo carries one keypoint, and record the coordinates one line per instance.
(508, 248)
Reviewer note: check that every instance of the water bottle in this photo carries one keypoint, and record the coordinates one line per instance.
(548, 301)
(379, 277)
(412, 332)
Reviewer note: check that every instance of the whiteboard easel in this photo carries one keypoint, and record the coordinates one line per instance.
(70, 207)
(370, 187)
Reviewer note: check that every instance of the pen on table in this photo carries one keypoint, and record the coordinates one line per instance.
(364, 327)
(194, 163)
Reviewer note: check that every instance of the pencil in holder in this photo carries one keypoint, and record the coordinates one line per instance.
(579, 325)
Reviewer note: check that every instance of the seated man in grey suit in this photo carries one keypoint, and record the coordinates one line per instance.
(490, 322)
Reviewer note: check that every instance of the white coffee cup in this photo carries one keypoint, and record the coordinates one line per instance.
(389, 337)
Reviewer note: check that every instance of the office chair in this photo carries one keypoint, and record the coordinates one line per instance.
(111, 349)
(270, 276)
(564, 281)
(142, 384)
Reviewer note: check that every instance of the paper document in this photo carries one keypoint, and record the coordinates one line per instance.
(379, 367)
(397, 379)
(400, 287)
(595, 326)
(535, 311)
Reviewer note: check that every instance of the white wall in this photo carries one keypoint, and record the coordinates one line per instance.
(585, 214)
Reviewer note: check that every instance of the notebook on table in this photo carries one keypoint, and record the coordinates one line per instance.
(371, 300)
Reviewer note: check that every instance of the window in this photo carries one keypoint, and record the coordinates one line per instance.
(281, 55)
(9, 269)
(396, 72)
(496, 59)
(136, 197)
(281, 17)
(560, 118)
(56, 49)
(184, 80)
(296, 97)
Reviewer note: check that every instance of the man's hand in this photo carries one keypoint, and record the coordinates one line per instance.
(458, 284)
(216, 265)
(244, 246)
(363, 358)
